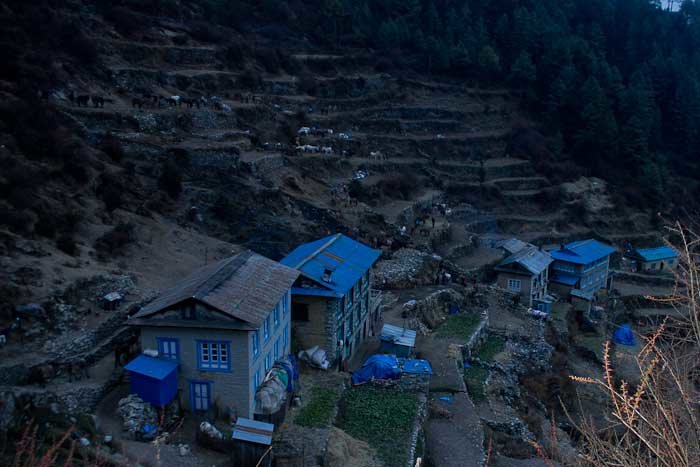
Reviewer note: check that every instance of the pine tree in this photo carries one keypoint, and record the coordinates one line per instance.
(522, 73)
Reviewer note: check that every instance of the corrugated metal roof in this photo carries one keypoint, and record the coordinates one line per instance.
(253, 431)
(315, 292)
(582, 251)
(397, 335)
(658, 253)
(581, 294)
(246, 287)
(531, 258)
(414, 366)
(563, 278)
(512, 245)
(157, 368)
(347, 259)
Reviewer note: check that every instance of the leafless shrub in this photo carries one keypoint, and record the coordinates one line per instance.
(656, 422)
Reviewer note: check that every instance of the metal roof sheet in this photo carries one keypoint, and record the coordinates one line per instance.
(512, 245)
(347, 259)
(253, 431)
(397, 335)
(531, 258)
(658, 253)
(315, 292)
(563, 278)
(582, 251)
(415, 366)
(246, 287)
(156, 368)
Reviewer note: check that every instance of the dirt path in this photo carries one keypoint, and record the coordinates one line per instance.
(456, 440)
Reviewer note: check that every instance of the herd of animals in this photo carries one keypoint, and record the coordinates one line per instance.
(153, 100)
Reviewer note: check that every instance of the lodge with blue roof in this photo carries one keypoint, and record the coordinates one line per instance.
(657, 259)
(333, 304)
(581, 266)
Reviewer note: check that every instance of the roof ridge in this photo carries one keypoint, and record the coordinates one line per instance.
(217, 278)
(318, 251)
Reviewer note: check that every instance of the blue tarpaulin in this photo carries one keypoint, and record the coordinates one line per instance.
(624, 335)
(377, 367)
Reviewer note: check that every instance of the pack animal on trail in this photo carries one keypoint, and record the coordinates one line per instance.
(41, 374)
(82, 100)
(138, 102)
(126, 351)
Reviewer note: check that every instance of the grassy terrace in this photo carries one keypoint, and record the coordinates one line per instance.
(490, 348)
(475, 379)
(318, 411)
(381, 417)
(461, 326)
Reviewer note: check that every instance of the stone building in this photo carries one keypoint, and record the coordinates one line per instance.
(658, 259)
(525, 271)
(225, 324)
(333, 304)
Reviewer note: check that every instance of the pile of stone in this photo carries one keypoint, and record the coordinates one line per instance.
(408, 268)
(429, 312)
(138, 416)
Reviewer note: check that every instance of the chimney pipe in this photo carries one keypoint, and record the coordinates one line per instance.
(327, 275)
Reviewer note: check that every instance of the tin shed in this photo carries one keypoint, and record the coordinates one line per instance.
(153, 379)
(252, 442)
(397, 341)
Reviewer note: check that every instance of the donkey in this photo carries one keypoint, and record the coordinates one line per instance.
(82, 100)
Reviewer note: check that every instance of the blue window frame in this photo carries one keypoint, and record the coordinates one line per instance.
(276, 316)
(214, 355)
(285, 304)
(268, 361)
(200, 395)
(256, 344)
(168, 347)
(277, 348)
(256, 380)
(266, 329)
(285, 337)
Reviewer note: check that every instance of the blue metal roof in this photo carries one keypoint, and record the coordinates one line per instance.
(347, 259)
(315, 292)
(156, 368)
(582, 252)
(658, 253)
(253, 431)
(564, 278)
(413, 366)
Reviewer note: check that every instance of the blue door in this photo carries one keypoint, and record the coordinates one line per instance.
(200, 395)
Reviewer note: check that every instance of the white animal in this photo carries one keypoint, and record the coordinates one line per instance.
(305, 130)
(376, 155)
(327, 150)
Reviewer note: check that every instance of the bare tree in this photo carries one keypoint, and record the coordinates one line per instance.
(656, 422)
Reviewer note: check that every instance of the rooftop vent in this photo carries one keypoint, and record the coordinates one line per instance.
(327, 275)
